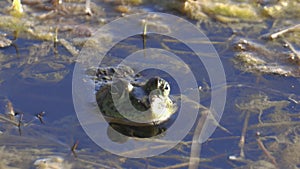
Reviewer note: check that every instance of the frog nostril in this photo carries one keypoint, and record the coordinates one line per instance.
(166, 87)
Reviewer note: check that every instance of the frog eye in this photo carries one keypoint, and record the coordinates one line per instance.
(160, 82)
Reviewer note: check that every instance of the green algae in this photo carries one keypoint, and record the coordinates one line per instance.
(243, 12)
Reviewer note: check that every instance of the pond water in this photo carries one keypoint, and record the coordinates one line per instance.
(36, 75)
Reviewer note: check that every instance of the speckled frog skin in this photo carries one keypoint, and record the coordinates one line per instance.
(124, 101)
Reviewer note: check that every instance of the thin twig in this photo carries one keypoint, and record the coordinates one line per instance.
(74, 147)
(95, 164)
(275, 35)
(181, 165)
(284, 123)
(88, 10)
(291, 47)
(20, 123)
(144, 35)
(264, 149)
(243, 135)
(140, 150)
(196, 146)
(40, 117)
(8, 120)
(145, 28)
(223, 138)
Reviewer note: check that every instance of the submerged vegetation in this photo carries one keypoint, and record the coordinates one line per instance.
(257, 40)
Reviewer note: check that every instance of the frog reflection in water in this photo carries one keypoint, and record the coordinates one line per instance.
(135, 107)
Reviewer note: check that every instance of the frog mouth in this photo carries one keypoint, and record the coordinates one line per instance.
(161, 107)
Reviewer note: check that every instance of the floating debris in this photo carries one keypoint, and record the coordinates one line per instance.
(69, 47)
(4, 42)
(258, 103)
(255, 58)
(52, 162)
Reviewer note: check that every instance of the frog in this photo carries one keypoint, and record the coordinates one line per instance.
(142, 103)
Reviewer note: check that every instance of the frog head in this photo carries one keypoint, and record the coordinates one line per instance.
(157, 86)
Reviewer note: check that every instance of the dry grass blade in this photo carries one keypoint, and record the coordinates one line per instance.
(284, 123)
(264, 149)
(243, 135)
(8, 120)
(295, 52)
(181, 165)
(74, 147)
(275, 35)
(196, 146)
(88, 10)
